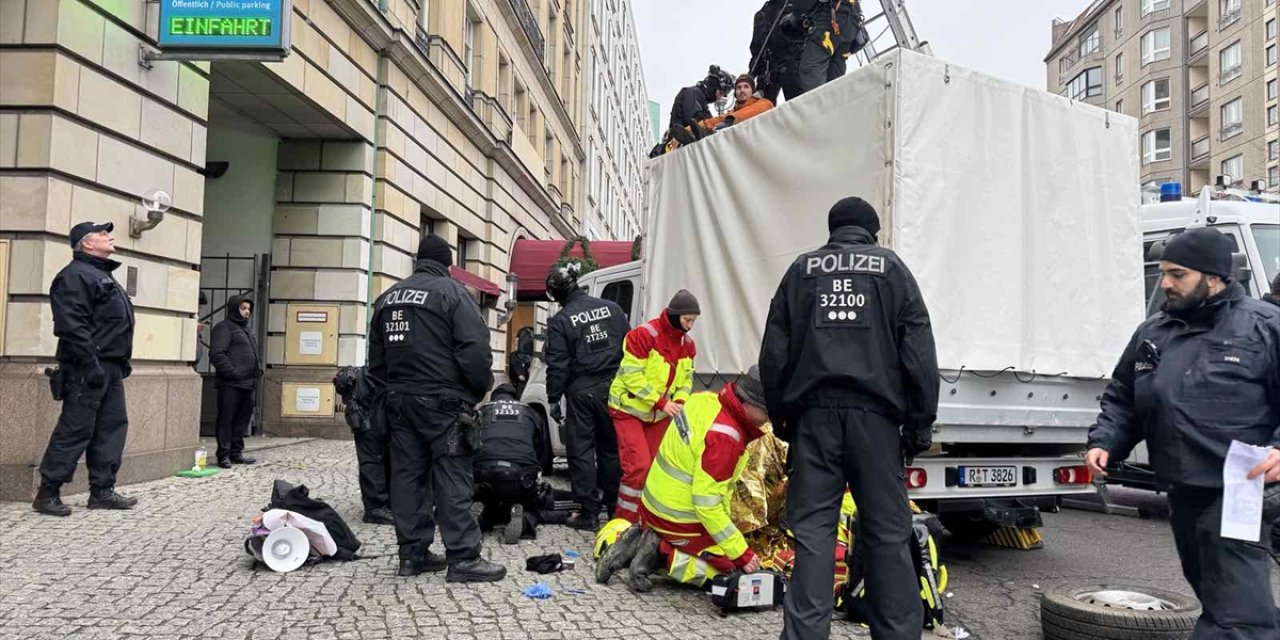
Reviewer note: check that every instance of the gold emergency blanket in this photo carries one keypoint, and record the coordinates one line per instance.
(759, 499)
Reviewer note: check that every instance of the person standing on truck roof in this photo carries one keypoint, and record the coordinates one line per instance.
(584, 348)
(1202, 373)
(653, 383)
(848, 356)
(429, 350)
(798, 45)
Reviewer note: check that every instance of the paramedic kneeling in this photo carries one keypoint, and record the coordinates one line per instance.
(1201, 373)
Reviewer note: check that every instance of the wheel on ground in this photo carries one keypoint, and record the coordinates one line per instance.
(1116, 612)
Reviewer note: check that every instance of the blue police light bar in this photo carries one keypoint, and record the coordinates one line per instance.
(1171, 192)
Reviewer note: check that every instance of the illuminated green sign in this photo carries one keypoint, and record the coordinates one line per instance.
(220, 27)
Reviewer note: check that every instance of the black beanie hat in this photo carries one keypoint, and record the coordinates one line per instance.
(749, 389)
(853, 212)
(433, 247)
(504, 391)
(684, 304)
(1204, 250)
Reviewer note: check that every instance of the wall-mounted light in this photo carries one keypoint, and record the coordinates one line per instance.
(156, 202)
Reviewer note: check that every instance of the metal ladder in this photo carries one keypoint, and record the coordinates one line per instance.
(889, 30)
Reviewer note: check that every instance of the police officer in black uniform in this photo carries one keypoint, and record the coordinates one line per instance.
(365, 414)
(93, 320)
(793, 44)
(1195, 377)
(429, 350)
(584, 349)
(851, 381)
(692, 104)
(507, 465)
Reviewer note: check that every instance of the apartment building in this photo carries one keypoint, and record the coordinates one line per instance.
(617, 132)
(1200, 75)
(305, 182)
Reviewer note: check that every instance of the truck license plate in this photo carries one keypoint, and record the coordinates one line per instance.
(988, 476)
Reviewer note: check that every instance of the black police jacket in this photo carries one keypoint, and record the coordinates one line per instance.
(510, 433)
(584, 345)
(1191, 382)
(848, 327)
(92, 314)
(233, 350)
(427, 338)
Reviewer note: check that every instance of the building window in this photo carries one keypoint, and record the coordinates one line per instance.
(1273, 177)
(1155, 45)
(1229, 12)
(1119, 74)
(1119, 106)
(1090, 40)
(1119, 21)
(1151, 6)
(464, 252)
(1064, 64)
(1273, 150)
(1155, 96)
(1157, 146)
(424, 16)
(1233, 169)
(1085, 85)
(1232, 118)
(1271, 55)
(1271, 29)
(1271, 89)
(1229, 63)
(1273, 117)
(469, 46)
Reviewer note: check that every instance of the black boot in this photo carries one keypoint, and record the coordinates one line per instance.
(619, 554)
(242, 459)
(224, 464)
(475, 570)
(511, 534)
(49, 502)
(432, 564)
(109, 499)
(584, 522)
(381, 515)
(644, 564)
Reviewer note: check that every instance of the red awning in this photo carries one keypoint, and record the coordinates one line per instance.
(532, 260)
(474, 281)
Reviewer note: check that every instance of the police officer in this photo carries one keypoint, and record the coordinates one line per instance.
(507, 465)
(692, 104)
(848, 356)
(797, 46)
(1195, 377)
(429, 349)
(584, 349)
(366, 416)
(93, 320)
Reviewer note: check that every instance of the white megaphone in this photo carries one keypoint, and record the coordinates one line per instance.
(284, 550)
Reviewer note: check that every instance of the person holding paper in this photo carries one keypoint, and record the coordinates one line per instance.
(1196, 377)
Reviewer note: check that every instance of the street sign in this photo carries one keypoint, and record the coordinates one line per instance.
(220, 29)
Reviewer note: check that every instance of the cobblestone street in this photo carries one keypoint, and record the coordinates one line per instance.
(175, 567)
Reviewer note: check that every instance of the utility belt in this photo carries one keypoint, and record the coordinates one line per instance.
(464, 430)
(66, 374)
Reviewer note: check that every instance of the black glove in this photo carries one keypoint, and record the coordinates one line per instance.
(94, 376)
(126, 370)
(557, 413)
(916, 439)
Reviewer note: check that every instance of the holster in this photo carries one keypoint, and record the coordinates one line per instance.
(56, 382)
(465, 435)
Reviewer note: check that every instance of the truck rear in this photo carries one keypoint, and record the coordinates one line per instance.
(1018, 212)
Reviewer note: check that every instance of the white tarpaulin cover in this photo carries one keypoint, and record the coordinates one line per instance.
(1017, 210)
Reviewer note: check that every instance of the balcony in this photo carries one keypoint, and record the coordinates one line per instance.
(1199, 153)
(1199, 100)
(1198, 48)
(1231, 130)
(529, 23)
(1229, 18)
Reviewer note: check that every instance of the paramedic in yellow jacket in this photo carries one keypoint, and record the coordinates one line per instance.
(686, 527)
(653, 383)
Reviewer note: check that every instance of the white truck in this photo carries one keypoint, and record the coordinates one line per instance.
(1018, 212)
(1252, 221)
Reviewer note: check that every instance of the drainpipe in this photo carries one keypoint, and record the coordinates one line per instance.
(379, 110)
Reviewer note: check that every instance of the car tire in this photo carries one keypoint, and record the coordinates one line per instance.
(1116, 612)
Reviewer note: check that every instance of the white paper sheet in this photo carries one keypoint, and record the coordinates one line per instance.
(1242, 497)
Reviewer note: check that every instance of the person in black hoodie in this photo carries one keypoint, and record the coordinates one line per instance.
(93, 320)
(233, 351)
